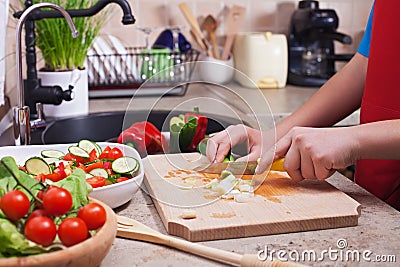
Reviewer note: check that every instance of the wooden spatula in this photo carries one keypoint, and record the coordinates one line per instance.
(195, 27)
(210, 26)
(130, 228)
(233, 23)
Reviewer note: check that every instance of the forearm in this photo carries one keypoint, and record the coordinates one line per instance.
(378, 140)
(335, 100)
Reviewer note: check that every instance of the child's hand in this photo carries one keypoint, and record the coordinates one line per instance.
(220, 144)
(315, 153)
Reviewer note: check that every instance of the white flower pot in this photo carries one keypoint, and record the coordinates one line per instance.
(79, 105)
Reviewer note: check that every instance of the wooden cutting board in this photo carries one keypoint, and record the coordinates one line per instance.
(279, 205)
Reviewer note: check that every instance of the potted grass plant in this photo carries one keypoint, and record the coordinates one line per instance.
(64, 55)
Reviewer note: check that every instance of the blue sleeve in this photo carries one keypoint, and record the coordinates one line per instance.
(363, 49)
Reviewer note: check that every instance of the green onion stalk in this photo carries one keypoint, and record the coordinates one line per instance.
(60, 51)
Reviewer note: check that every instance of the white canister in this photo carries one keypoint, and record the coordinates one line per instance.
(263, 57)
(79, 105)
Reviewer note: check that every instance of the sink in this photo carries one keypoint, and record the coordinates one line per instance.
(107, 126)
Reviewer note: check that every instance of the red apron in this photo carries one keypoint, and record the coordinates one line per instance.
(381, 100)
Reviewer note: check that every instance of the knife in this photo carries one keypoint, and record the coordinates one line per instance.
(240, 168)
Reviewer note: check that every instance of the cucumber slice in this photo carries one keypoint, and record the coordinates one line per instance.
(88, 146)
(99, 172)
(79, 152)
(125, 165)
(37, 165)
(51, 160)
(88, 175)
(98, 148)
(51, 153)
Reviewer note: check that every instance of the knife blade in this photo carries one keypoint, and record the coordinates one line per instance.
(240, 168)
(235, 167)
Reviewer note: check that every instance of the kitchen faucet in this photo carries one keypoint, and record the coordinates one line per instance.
(21, 119)
(34, 91)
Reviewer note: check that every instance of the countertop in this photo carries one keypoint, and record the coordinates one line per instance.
(378, 231)
(379, 224)
(233, 99)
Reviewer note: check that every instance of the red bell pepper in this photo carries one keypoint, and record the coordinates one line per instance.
(98, 164)
(61, 170)
(70, 157)
(143, 136)
(201, 128)
(93, 155)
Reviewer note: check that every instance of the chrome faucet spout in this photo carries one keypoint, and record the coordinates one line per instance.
(21, 112)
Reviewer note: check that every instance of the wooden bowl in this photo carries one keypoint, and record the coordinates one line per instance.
(87, 253)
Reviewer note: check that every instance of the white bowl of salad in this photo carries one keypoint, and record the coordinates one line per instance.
(114, 171)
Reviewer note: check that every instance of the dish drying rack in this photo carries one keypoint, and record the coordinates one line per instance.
(140, 72)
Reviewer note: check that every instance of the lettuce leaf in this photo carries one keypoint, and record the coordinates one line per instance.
(13, 243)
(8, 182)
(78, 187)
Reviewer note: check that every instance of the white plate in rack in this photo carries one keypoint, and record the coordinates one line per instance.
(128, 60)
(106, 58)
(95, 67)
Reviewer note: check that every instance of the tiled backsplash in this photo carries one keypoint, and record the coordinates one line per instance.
(261, 15)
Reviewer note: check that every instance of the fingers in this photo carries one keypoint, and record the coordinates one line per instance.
(216, 152)
(306, 164)
(323, 170)
(282, 146)
(323, 173)
(267, 158)
(292, 164)
(306, 157)
(220, 144)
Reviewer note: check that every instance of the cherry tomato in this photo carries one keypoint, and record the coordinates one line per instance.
(111, 153)
(72, 231)
(122, 179)
(37, 213)
(41, 230)
(94, 215)
(40, 195)
(57, 201)
(15, 204)
(96, 181)
(115, 153)
(105, 152)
